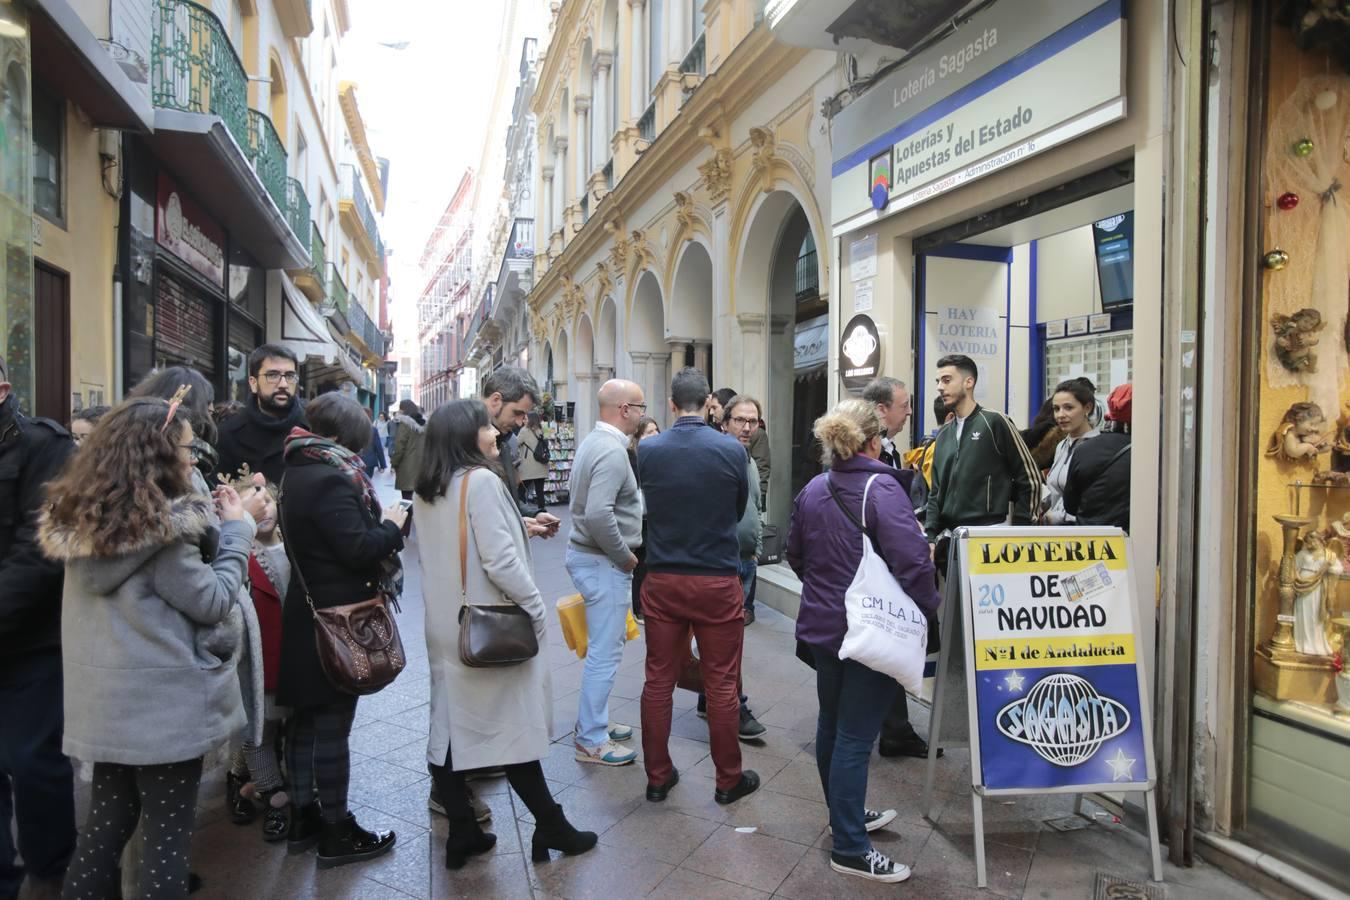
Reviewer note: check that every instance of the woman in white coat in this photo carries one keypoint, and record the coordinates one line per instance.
(482, 717)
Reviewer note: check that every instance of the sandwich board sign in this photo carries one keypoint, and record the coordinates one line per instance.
(1056, 693)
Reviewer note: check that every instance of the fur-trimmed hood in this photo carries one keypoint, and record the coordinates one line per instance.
(403, 419)
(187, 518)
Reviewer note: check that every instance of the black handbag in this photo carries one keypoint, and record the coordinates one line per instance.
(489, 636)
(772, 554)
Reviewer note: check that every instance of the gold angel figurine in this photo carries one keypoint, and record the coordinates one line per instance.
(1301, 434)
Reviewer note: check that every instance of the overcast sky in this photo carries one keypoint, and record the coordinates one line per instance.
(425, 108)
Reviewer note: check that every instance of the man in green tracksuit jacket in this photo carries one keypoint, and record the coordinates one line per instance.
(980, 464)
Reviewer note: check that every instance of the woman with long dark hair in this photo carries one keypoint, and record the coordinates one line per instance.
(1074, 403)
(343, 549)
(482, 717)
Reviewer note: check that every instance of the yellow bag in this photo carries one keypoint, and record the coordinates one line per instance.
(572, 618)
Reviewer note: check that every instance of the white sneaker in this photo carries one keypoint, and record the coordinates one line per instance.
(620, 732)
(874, 866)
(874, 820)
(607, 754)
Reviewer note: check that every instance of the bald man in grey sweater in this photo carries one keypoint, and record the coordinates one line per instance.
(606, 529)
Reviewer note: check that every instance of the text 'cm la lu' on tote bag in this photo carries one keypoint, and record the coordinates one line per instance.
(489, 636)
(887, 632)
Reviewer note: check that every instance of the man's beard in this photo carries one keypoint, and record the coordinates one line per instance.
(270, 406)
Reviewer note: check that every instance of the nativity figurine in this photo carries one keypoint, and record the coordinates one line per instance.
(1317, 565)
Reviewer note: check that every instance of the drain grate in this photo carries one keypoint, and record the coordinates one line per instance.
(1069, 823)
(1114, 887)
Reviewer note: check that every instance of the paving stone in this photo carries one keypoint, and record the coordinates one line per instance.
(683, 884)
(604, 874)
(754, 860)
(667, 835)
(500, 876)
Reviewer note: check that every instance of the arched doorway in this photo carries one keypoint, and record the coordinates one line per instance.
(691, 317)
(648, 348)
(607, 347)
(785, 323)
(583, 375)
(559, 375)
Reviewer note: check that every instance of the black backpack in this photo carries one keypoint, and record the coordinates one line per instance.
(540, 451)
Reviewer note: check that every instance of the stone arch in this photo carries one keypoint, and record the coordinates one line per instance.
(606, 335)
(749, 204)
(695, 228)
(690, 289)
(647, 345)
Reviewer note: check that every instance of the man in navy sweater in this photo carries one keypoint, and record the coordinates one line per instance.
(695, 483)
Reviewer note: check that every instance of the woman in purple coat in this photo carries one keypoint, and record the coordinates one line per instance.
(824, 550)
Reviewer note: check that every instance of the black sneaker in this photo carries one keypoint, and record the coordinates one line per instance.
(874, 819)
(913, 746)
(750, 727)
(748, 784)
(874, 866)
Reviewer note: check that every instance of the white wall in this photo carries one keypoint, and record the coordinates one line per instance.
(1066, 276)
(964, 294)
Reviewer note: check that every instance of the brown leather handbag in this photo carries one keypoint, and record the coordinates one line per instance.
(489, 636)
(360, 650)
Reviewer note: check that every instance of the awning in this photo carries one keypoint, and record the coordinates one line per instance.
(67, 56)
(811, 344)
(207, 161)
(303, 329)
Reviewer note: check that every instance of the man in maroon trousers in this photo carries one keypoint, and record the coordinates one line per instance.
(695, 484)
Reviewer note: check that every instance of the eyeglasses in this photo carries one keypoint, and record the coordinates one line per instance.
(641, 406)
(275, 377)
(742, 422)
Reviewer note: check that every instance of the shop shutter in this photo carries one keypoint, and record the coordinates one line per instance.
(184, 325)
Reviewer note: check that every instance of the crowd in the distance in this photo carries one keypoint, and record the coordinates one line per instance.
(165, 576)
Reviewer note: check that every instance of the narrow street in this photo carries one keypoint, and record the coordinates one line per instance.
(773, 843)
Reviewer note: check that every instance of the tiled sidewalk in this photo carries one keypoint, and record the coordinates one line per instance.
(688, 846)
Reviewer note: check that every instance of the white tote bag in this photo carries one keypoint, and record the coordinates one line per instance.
(887, 632)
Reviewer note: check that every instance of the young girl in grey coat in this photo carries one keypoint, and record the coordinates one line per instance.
(150, 634)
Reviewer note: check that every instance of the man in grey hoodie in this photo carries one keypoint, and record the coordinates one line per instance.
(606, 529)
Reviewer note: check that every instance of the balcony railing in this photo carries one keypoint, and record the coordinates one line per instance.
(696, 60)
(647, 124)
(194, 67)
(521, 243)
(268, 156)
(353, 191)
(296, 207)
(808, 277)
(608, 172)
(318, 255)
(337, 304)
(365, 329)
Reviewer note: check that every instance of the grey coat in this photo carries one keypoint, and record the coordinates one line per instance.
(491, 717)
(150, 639)
(529, 467)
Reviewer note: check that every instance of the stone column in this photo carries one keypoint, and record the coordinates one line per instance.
(677, 20)
(641, 375)
(585, 400)
(657, 387)
(602, 130)
(545, 208)
(582, 105)
(702, 354)
(637, 65)
(559, 183)
(753, 375)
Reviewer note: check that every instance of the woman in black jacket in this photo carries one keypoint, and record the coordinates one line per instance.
(346, 550)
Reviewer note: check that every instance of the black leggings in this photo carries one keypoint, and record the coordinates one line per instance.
(164, 800)
(317, 757)
(526, 779)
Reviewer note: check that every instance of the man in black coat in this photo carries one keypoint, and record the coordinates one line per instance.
(36, 779)
(256, 435)
(510, 394)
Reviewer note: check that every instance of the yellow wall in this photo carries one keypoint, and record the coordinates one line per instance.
(86, 250)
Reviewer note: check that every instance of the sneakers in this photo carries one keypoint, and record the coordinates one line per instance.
(750, 615)
(481, 811)
(874, 866)
(874, 820)
(607, 754)
(750, 727)
(620, 732)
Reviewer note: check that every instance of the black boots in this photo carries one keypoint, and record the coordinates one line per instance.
(241, 808)
(552, 831)
(459, 847)
(347, 842)
(305, 827)
(276, 819)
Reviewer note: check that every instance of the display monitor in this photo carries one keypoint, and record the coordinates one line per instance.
(1113, 241)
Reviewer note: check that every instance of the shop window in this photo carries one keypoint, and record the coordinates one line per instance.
(49, 113)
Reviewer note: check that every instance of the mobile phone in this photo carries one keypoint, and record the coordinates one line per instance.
(407, 506)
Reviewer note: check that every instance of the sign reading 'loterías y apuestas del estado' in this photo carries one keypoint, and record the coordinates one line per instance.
(1056, 683)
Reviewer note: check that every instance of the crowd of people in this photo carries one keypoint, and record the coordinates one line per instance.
(163, 565)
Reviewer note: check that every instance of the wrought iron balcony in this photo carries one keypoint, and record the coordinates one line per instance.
(647, 124)
(354, 193)
(318, 254)
(696, 60)
(297, 208)
(337, 304)
(194, 67)
(364, 329)
(267, 156)
(808, 277)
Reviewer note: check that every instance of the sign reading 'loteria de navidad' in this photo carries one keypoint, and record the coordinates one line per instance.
(1057, 686)
(1014, 80)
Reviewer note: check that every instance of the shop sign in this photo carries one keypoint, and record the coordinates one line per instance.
(811, 344)
(182, 228)
(970, 331)
(859, 351)
(1010, 83)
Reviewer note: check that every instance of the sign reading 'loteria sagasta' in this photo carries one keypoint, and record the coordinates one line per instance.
(1057, 689)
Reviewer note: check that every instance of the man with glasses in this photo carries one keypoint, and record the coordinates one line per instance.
(256, 436)
(606, 529)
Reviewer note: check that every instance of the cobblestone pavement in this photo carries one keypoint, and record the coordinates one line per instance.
(773, 843)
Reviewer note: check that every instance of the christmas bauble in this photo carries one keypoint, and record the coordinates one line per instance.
(1325, 100)
(1276, 259)
(1303, 147)
(1287, 201)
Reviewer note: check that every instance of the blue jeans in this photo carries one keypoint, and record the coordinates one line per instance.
(608, 593)
(853, 701)
(747, 570)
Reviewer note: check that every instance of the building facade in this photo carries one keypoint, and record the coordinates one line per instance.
(444, 304)
(683, 192)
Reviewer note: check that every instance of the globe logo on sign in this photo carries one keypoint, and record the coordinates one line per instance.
(1063, 719)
